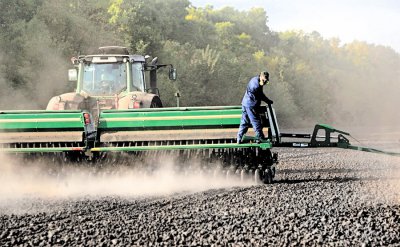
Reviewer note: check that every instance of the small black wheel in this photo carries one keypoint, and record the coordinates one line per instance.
(268, 177)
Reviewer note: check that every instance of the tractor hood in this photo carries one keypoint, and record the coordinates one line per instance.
(74, 101)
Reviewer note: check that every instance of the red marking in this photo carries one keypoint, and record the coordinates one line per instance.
(136, 104)
(77, 149)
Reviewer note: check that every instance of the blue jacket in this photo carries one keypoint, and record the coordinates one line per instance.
(254, 93)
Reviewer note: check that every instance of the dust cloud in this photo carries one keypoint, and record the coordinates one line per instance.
(39, 80)
(52, 181)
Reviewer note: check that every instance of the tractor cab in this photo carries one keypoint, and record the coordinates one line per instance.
(111, 75)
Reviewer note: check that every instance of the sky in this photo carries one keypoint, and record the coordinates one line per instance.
(373, 21)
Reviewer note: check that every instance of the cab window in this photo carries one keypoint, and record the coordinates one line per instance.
(104, 79)
(137, 77)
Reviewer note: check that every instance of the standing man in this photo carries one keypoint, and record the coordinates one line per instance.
(250, 106)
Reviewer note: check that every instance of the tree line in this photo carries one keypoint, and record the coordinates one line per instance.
(216, 52)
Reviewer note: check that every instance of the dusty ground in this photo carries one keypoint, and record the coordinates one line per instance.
(320, 197)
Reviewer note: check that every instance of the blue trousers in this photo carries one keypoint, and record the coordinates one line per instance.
(250, 118)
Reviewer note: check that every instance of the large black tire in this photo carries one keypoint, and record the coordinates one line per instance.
(156, 103)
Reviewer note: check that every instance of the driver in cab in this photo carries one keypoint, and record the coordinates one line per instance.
(107, 79)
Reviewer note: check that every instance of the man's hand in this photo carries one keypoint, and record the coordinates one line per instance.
(269, 102)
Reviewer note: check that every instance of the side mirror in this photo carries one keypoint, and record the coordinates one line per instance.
(72, 75)
(172, 74)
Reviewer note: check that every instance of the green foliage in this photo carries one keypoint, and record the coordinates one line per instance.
(38, 39)
(216, 52)
(144, 25)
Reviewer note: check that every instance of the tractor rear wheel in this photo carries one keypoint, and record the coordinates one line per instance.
(156, 103)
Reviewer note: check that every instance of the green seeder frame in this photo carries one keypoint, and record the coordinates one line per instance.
(184, 121)
(163, 126)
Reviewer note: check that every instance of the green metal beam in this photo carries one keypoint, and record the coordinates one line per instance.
(181, 147)
(367, 149)
(182, 118)
(37, 111)
(40, 120)
(42, 150)
(172, 109)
